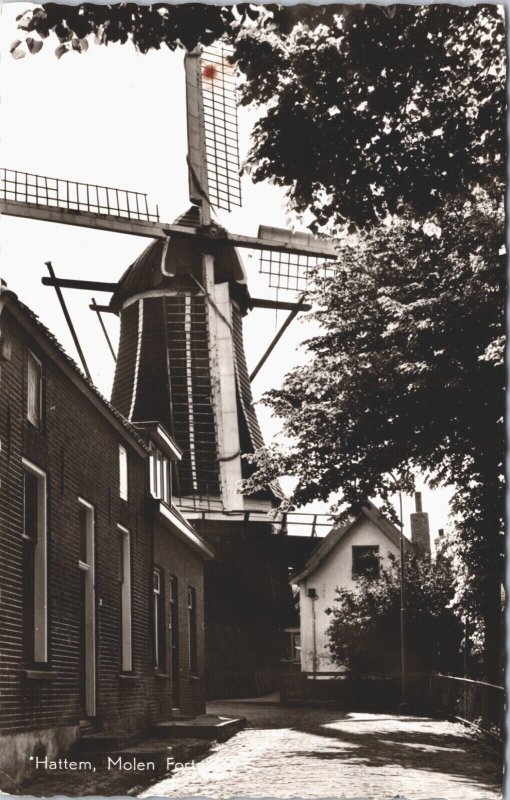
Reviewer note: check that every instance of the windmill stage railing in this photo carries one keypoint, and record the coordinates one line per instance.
(298, 523)
(46, 192)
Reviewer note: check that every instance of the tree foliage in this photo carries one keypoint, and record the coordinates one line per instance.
(184, 25)
(364, 633)
(407, 371)
(372, 113)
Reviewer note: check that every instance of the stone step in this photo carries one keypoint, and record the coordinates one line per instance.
(206, 726)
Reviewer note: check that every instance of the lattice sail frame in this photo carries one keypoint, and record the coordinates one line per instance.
(221, 128)
(290, 272)
(43, 191)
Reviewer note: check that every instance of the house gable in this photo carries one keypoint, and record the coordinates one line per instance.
(370, 514)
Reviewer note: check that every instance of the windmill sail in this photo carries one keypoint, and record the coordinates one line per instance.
(221, 127)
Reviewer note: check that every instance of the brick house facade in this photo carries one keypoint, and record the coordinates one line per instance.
(81, 532)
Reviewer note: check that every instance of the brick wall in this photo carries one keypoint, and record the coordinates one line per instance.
(78, 449)
(181, 562)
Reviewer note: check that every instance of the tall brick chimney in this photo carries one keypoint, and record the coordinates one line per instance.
(420, 531)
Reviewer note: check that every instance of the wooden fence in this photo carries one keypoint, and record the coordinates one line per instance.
(481, 704)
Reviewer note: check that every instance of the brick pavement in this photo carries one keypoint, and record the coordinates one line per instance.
(310, 753)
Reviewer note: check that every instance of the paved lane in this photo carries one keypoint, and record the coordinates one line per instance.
(310, 753)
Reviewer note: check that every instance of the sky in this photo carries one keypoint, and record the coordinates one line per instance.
(114, 117)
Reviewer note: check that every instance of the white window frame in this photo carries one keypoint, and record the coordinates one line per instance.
(152, 473)
(90, 608)
(126, 648)
(192, 635)
(40, 566)
(157, 610)
(34, 404)
(123, 473)
(160, 477)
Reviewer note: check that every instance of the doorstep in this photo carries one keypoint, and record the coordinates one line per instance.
(205, 726)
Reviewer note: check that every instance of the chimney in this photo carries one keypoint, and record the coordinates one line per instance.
(420, 532)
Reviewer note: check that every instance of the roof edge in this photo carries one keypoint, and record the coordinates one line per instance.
(31, 322)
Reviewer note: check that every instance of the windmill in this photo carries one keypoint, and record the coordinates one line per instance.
(182, 301)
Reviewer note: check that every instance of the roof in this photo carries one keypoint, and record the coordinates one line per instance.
(25, 314)
(161, 437)
(169, 263)
(370, 512)
(171, 517)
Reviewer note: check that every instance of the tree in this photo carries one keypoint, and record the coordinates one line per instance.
(407, 374)
(364, 633)
(374, 113)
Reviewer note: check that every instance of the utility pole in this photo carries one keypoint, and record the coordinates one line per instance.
(403, 673)
(403, 670)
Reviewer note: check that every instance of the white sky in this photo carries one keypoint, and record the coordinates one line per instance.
(114, 117)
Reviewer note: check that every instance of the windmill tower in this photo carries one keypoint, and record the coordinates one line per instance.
(181, 361)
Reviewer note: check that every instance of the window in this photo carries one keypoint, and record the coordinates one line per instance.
(192, 630)
(174, 634)
(294, 646)
(87, 640)
(365, 561)
(123, 473)
(159, 619)
(161, 481)
(35, 578)
(34, 390)
(124, 578)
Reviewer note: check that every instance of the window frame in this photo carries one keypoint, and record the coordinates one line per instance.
(125, 612)
(159, 620)
(34, 410)
(87, 567)
(161, 476)
(192, 630)
(123, 473)
(374, 551)
(39, 590)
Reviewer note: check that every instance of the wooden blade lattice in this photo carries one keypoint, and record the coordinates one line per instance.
(221, 131)
(292, 272)
(45, 192)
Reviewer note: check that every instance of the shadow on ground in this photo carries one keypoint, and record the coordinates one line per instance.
(379, 740)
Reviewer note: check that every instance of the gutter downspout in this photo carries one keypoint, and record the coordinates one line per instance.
(314, 661)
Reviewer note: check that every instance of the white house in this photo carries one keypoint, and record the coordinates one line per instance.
(358, 547)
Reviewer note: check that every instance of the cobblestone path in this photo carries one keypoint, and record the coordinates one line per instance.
(310, 753)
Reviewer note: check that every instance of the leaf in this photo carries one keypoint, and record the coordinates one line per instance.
(80, 45)
(62, 49)
(34, 45)
(16, 49)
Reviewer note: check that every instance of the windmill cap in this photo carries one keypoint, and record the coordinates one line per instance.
(173, 263)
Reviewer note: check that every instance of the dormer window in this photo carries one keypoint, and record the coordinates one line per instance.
(161, 477)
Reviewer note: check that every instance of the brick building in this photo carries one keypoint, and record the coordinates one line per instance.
(101, 578)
